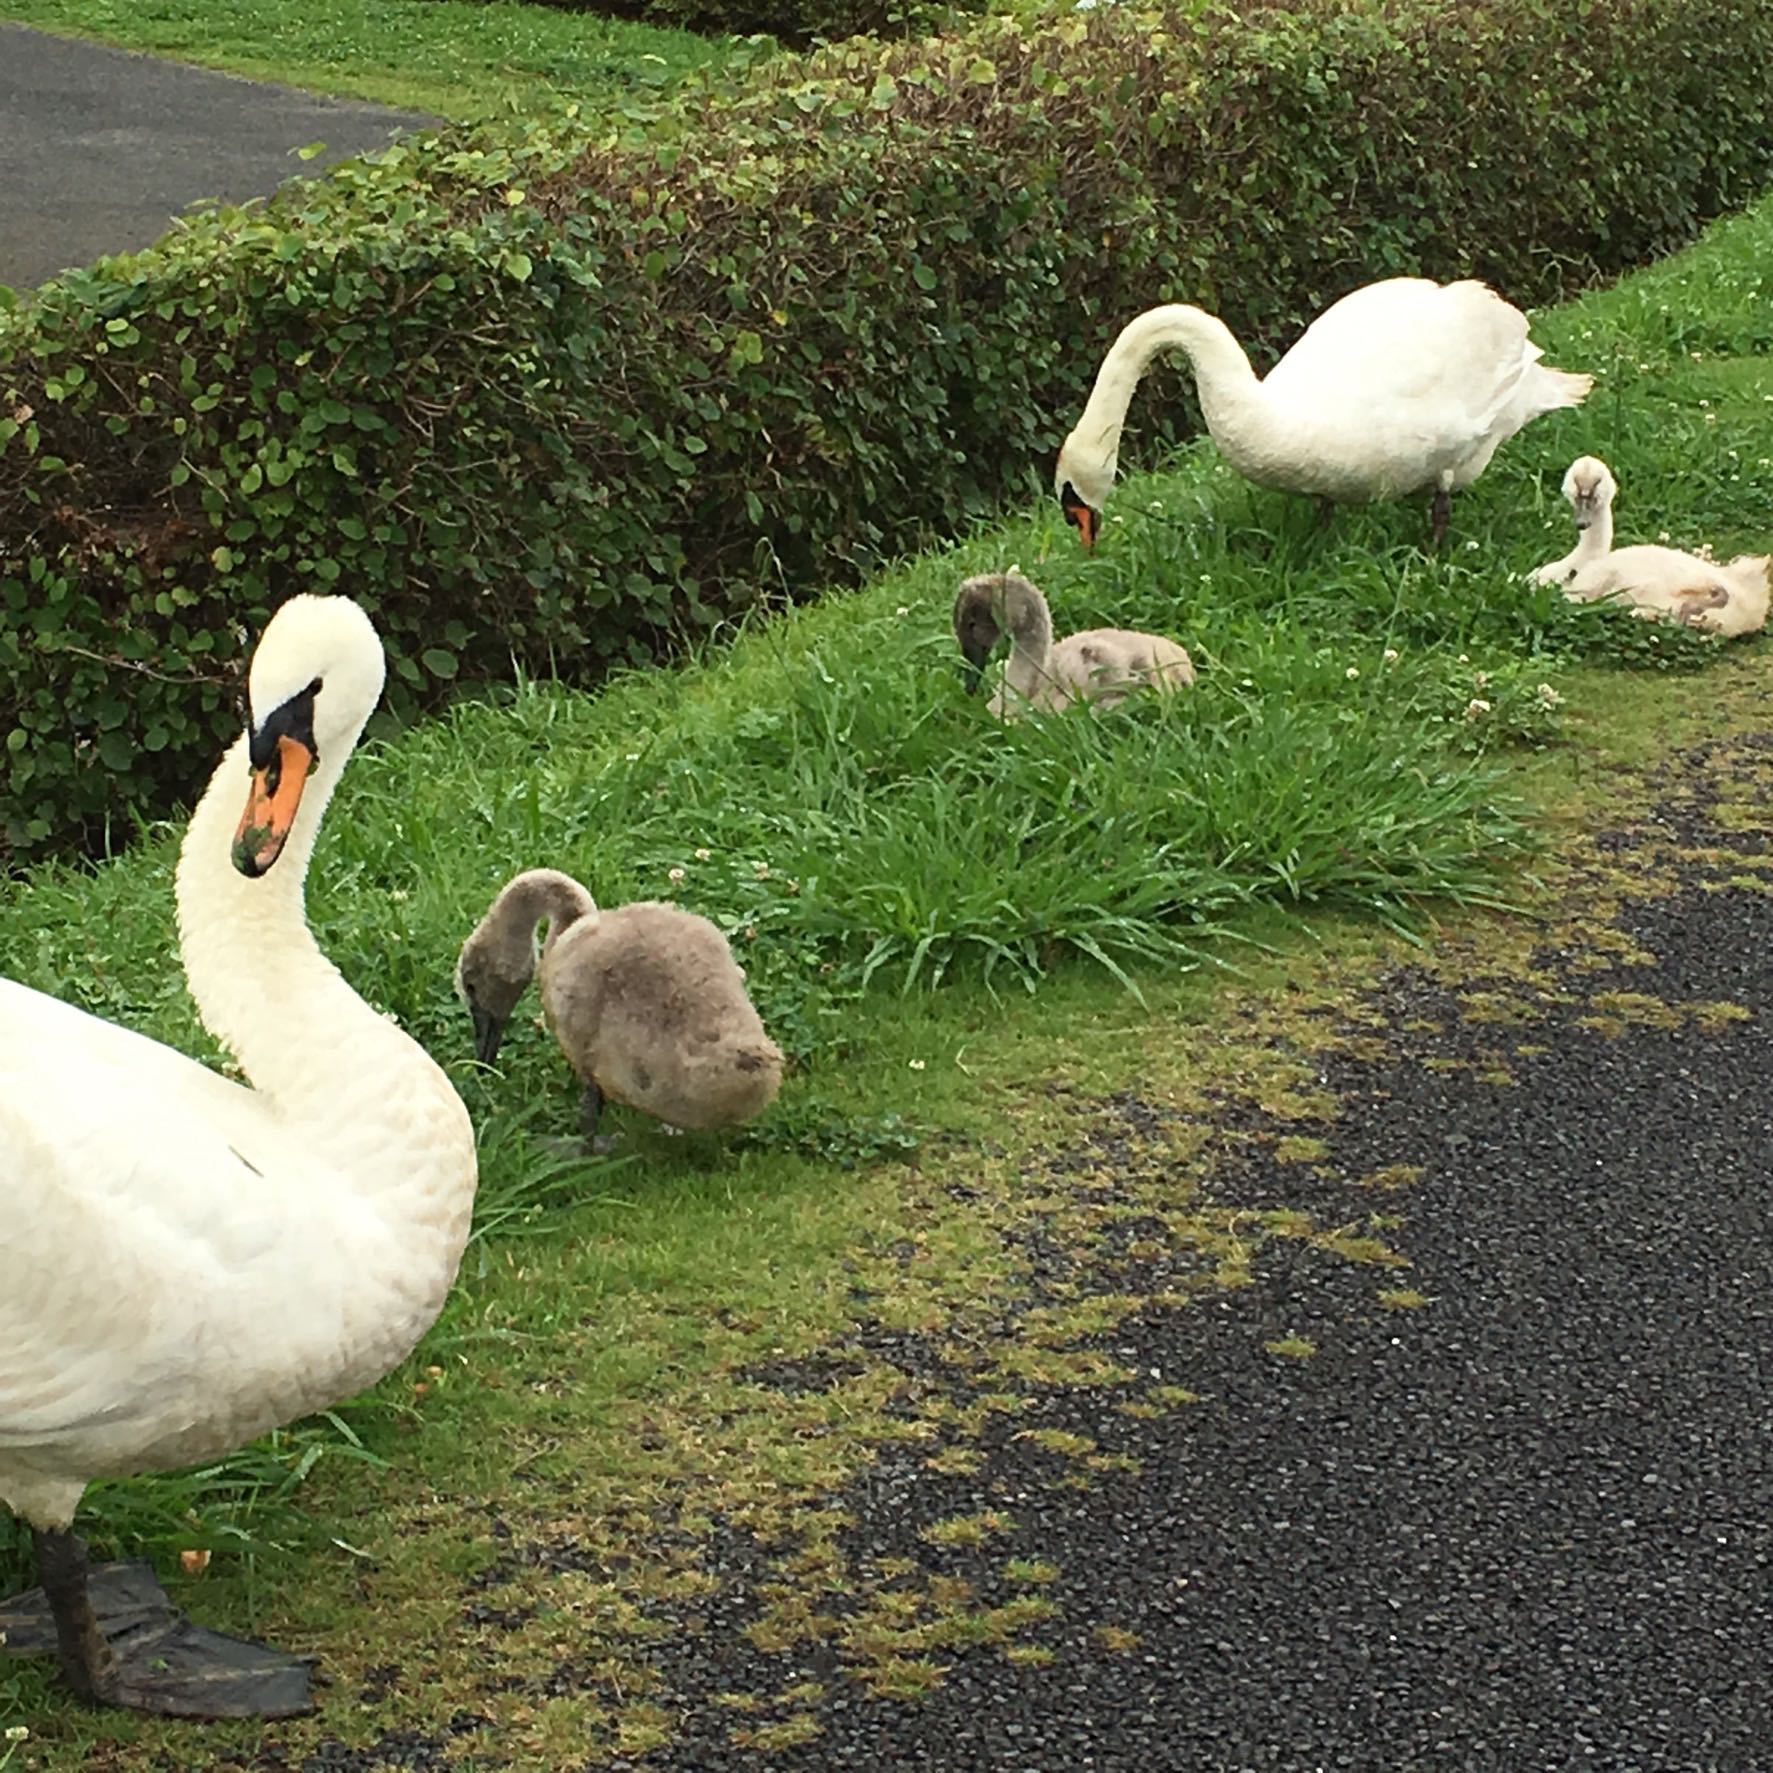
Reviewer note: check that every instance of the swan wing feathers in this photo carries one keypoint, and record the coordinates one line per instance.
(1098, 658)
(1457, 351)
(129, 1202)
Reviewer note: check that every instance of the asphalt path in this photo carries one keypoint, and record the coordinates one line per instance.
(103, 150)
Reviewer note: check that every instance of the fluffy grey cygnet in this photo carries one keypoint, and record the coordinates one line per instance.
(646, 1001)
(1101, 665)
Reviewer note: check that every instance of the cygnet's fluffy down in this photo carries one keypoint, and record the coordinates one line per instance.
(646, 1001)
(1722, 598)
(1100, 665)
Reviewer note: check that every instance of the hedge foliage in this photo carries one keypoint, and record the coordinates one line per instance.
(796, 22)
(560, 399)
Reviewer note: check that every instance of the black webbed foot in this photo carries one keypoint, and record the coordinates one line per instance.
(121, 1641)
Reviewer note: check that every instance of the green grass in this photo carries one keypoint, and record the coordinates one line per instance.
(941, 920)
(455, 58)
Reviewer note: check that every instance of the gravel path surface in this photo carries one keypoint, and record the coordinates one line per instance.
(103, 149)
(1525, 1524)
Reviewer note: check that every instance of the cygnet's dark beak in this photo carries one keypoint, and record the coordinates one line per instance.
(489, 1030)
(972, 666)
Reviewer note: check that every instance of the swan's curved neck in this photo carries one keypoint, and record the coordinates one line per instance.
(1031, 648)
(252, 964)
(1597, 539)
(367, 1098)
(544, 894)
(1230, 394)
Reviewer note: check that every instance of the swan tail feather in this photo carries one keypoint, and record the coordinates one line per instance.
(1569, 389)
(1749, 590)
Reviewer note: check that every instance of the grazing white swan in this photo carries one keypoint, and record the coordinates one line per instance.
(1728, 599)
(185, 1262)
(645, 1000)
(1101, 665)
(1400, 386)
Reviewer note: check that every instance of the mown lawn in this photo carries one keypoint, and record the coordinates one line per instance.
(943, 922)
(459, 59)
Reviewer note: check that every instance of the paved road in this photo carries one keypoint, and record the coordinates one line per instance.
(100, 150)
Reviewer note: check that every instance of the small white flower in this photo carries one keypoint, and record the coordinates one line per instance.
(917, 1065)
(1482, 680)
(1354, 671)
(398, 895)
(17, 1733)
(704, 855)
(1476, 708)
(676, 875)
(1548, 696)
(1663, 536)
(1471, 547)
(632, 756)
(1463, 660)
(904, 609)
(1391, 655)
(761, 870)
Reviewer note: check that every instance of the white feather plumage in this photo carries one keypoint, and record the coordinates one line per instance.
(185, 1262)
(1401, 386)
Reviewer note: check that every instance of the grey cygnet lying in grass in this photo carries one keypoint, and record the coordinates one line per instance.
(1728, 599)
(645, 1000)
(1101, 665)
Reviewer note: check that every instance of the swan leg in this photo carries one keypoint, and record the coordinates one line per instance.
(590, 1112)
(120, 1641)
(1440, 515)
(1326, 511)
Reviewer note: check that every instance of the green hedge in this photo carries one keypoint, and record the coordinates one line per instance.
(562, 400)
(793, 21)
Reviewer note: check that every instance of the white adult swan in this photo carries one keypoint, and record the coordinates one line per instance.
(1399, 386)
(1727, 598)
(184, 1262)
